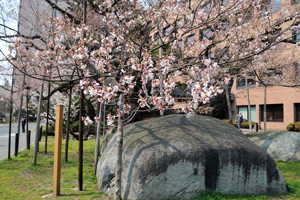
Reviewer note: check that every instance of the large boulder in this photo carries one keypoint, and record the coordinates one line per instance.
(281, 145)
(175, 157)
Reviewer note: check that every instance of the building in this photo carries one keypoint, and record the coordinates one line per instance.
(283, 103)
(4, 104)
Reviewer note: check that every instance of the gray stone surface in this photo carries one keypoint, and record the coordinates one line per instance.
(281, 145)
(174, 157)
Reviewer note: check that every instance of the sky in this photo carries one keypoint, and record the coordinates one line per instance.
(9, 17)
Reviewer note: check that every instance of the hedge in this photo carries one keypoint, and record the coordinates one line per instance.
(290, 126)
(245, 124)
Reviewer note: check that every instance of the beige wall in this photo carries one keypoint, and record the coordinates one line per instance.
(287, 96)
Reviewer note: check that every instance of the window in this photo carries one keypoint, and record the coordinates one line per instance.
(245, 112)
(242, 82)
(225, 26)
(295, 1)
(191, 39)
(297, 109)
(167, 31)
(225, 2)
(181, 22)
(275, 5)
(207, 6)
(180, 3)
(207, 33)
(296, 35)
(180, 44)
(274, 113)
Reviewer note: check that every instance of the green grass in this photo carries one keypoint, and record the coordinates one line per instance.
(20, 179)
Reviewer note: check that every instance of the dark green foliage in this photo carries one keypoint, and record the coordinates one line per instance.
(290, 126)
(31, 114)
(245, 124)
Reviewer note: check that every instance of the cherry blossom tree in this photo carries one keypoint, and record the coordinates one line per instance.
(198, 41)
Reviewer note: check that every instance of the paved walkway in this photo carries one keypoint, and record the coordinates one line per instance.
(22, 139)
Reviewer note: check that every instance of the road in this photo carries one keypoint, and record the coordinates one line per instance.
(4, 139)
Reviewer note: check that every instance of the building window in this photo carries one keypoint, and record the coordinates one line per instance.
(207, 33)
(274, 113)
(180, 3)
(167, 31)
(224, 2)
(190, 39)
(296, 35)
(180, 44)
(181, 22)
(297, 109)
(245, 112)
(207, 6)
(242, 82)
(295, 1)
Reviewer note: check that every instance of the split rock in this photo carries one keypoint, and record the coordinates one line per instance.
(175, 157)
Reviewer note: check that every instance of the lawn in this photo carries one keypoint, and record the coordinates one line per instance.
(20, 179)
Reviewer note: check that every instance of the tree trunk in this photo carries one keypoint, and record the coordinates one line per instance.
(47, 119)
(118, 174)
(27, 120)
(265, 110)
(19, 117)
(36, 144)
(20, 106)
(228, 103)
(97, 145)
(68, 124)
(249, 106)
(10, 112)
(160, 57)
(80, 157)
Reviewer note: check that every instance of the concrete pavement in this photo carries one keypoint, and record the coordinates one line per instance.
(22, 141)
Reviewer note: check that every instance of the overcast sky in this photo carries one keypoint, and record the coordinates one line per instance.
(8, 17)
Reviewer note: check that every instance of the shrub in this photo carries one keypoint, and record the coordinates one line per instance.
(51, 130)
(290, 126)
(245, 124)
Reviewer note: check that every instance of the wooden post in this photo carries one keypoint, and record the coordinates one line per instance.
(57, 150)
